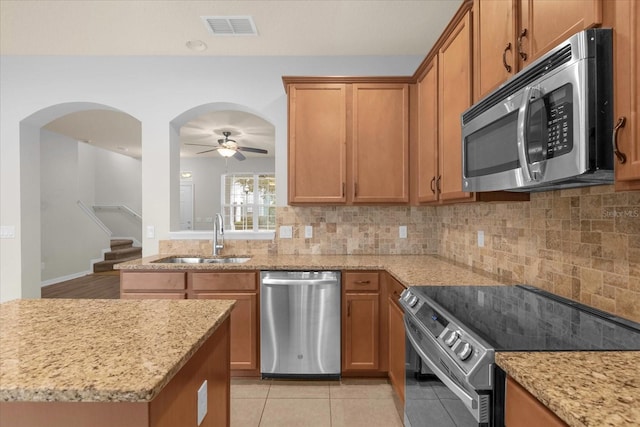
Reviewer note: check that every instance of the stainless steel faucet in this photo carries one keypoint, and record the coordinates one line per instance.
(218, 226)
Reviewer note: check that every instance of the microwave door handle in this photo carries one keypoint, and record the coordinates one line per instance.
(523, 120)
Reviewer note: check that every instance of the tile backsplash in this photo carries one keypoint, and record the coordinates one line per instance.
(582, 244)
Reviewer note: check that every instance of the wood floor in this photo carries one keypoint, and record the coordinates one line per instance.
(98, 285)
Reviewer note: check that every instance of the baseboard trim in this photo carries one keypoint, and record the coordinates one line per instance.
(64, 278)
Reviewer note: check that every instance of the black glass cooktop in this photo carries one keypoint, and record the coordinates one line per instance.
(524, 318)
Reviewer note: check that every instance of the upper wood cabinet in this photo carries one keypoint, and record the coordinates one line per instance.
(380, 143)
(349, 141)
(546, 23)
(425, 151)
(454, 97)
(624, 17)
(317, 143)
(494, 47)
(510, 34)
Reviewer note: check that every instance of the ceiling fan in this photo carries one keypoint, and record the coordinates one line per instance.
(230, 148)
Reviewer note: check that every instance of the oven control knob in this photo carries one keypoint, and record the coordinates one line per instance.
(452, 338)
(412, 301)
(466, 351)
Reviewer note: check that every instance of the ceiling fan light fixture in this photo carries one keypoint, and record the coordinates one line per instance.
(226, 152)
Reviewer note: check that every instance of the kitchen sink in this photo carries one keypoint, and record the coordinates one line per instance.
(198, 260)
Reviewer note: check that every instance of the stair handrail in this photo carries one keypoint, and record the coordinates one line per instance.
(94, 218)
(125, 208)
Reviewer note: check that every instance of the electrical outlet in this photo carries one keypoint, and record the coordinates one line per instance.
(402, 231)
(202, 402)
(480, 238)
(151, 232)
(308, 231)
(286, 232)
(8, 232)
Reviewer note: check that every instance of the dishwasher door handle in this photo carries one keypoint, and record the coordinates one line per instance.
(293, 282)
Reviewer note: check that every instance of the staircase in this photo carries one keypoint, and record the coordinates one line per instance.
(121, 250)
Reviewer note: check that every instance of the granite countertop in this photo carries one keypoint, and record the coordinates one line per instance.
(99, 350)
(583, 388)
(410, 270)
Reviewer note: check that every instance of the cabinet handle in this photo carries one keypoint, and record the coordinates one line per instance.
(522, 54)
(362, 282)
(349, 309)
(504, 57)
(355, 189)
(438, 183)
(344, 188)
(622, 158)
(433, 185)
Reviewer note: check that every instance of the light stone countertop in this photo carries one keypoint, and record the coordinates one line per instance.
(583, 388)
(410, 270)
(99, 350)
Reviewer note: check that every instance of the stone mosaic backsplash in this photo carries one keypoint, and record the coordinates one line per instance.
(583, 244)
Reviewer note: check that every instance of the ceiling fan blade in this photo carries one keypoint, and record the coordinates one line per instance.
(253, 150)
(207, 151)
(239, 156)
(199, 145)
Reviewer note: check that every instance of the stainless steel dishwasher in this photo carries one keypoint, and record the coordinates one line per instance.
(300, 324)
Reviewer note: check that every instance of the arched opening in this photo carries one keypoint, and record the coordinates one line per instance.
(239, 184)
(64, 174)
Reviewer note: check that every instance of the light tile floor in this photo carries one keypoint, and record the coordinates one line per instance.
(345, 403)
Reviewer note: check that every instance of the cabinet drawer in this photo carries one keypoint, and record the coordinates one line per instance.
(224, 281)
(152, 295)
(355, 281)
(152, 281)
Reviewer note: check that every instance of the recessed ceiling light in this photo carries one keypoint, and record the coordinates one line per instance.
(197, 45)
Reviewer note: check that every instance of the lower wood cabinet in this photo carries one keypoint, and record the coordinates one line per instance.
(241, 286)
(360, 322)
(244, 329)
(396, 336)
(523, 410)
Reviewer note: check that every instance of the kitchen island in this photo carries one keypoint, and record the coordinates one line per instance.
(118, 363)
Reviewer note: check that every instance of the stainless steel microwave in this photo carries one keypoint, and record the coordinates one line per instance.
(549, 126)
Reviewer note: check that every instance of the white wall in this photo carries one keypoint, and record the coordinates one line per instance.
(154, 90)
(207, 172)
(70, 239)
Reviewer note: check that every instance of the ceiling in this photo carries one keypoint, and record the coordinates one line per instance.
(165, 27)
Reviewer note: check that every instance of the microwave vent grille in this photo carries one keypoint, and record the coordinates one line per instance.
(524, 78)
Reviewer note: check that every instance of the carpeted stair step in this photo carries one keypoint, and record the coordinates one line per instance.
(119, 254)
(120, 244)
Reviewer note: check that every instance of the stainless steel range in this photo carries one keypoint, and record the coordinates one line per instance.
(453, 333)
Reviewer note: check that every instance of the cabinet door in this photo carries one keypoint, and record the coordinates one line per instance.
(546, 23)
(396, 347)
(317, 143)
(244, 328)
(380, 143)
(454, 97)
(624, 16)
(360, 333)
(494, 28)
(427, 149)
(524, 410)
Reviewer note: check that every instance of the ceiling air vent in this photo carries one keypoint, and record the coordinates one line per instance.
(230, 25)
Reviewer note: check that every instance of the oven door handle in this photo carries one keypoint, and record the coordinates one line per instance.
(523, 123)
(466, 399)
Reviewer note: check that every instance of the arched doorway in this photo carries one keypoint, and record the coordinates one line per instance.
(32, 136)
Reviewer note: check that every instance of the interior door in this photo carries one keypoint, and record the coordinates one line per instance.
(186, 206)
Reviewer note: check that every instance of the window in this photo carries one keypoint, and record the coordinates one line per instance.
(249, 201)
